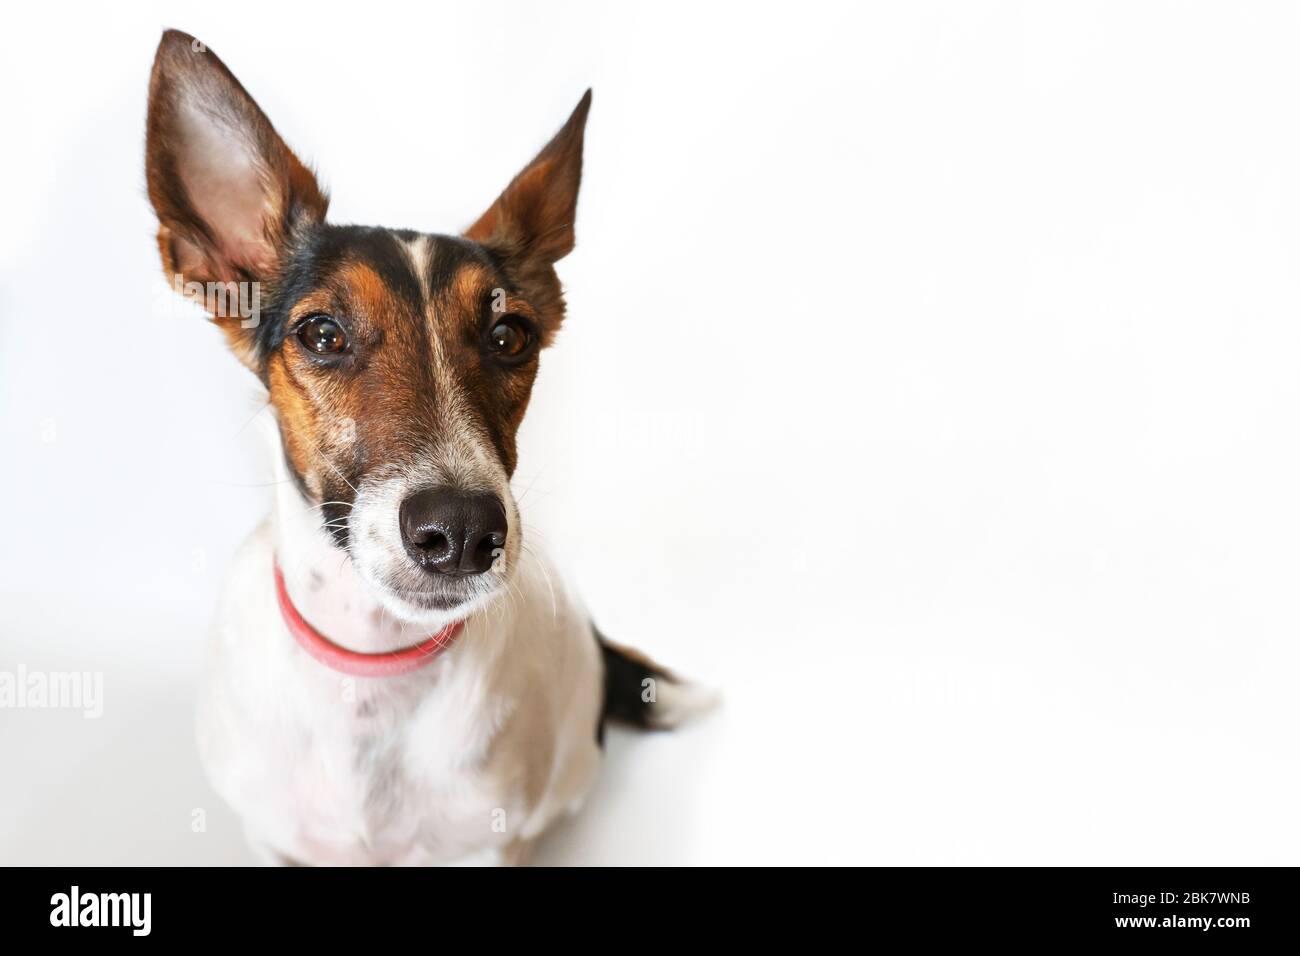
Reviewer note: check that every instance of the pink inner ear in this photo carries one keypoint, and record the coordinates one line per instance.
(227, 187)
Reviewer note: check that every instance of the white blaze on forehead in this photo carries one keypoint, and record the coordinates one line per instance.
(464, 455)
(419, 250)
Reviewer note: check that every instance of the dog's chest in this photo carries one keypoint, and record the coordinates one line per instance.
(358, 771)
(351, 786)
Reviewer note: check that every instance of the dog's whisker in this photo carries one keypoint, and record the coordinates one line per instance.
(325, 458)
(522, 496)
(252, 417)
(546, 576)
(249, 484)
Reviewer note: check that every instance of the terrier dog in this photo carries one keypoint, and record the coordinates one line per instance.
(397, 678)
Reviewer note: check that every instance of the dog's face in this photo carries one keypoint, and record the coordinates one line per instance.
(399, 364)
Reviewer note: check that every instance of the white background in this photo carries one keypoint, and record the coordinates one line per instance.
(930, 385)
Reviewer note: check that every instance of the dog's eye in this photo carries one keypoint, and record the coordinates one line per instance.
(510, 338)
(323, 335)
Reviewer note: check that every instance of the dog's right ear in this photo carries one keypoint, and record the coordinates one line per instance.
(228, 192)
(530, 226)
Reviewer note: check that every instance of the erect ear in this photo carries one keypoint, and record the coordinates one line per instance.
(530, 226)
(228, 192)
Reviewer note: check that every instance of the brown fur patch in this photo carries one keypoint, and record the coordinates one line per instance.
(297, 416)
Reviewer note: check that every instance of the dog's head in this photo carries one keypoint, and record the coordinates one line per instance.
(399, 364)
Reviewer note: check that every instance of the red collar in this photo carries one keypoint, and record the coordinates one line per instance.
(388, 664)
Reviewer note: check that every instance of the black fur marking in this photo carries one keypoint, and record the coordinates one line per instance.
(449, 254)
(382, 250)
(335, 517)
(625, 687)
(311, 258)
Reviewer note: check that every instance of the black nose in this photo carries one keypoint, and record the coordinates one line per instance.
(451, 532)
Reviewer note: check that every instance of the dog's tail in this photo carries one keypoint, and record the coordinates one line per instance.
(641, 693)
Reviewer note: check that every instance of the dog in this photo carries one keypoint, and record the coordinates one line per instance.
(397, 677)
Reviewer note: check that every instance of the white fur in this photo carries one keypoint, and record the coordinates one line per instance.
(465, 760)
(677, 701)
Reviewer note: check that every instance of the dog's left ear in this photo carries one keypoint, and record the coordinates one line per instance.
(530, 226)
